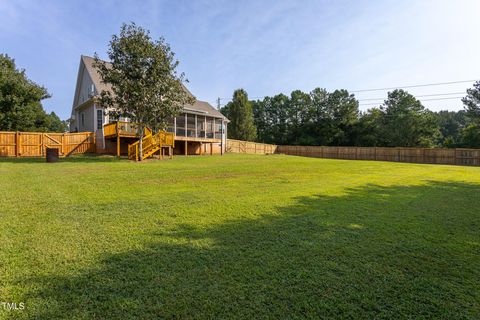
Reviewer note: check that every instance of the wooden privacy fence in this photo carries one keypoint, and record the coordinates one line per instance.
(470, 157)
(239, 146)
(34, 144)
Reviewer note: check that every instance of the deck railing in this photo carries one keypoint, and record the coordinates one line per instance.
(121, 128)
(151, 142)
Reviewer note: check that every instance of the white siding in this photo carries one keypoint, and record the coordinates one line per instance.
(85, 90)
(89, 119)
(83, 93)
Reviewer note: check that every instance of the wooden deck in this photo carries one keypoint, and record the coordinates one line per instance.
(130, 130)
(121, 129)
(193, 139)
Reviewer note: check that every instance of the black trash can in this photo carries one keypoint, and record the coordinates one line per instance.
(52, 154)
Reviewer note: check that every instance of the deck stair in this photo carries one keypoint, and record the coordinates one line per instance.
(151, 144)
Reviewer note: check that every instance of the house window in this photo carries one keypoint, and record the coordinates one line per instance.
(99, 119)
(83, 120)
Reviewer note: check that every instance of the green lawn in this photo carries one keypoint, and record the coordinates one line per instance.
(239, 237)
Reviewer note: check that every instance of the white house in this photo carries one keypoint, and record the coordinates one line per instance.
(200, 129)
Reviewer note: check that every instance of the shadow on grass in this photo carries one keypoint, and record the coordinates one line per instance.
(74, 158)
(376, 252)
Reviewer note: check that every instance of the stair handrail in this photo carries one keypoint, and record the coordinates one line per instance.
(150, 142)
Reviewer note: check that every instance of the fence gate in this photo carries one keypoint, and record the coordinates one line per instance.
(34, 144)
(53, 141)
(29, 144)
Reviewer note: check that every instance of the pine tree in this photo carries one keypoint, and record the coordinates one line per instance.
(240, 113)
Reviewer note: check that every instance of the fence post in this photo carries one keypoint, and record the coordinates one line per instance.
(63, 144)
(42, 143)
(17, 144)
(118, 138)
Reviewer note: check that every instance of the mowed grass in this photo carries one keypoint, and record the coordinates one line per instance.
(239, 236)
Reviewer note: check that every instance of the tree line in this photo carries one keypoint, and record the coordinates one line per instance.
(334, 119)
(315, 118)
(20, 102)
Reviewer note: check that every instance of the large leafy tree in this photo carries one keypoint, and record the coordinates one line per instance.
(342, 108)
(406, 122)
(299, 109)
(320, 125)
(20, 102)
(277, 112)
(315, 118)
(471, 133)
(471, 136)
(472, 103)
(368, 130)
(271, 117)
(451, 124)
(145, 84)
(261, 119)
(240, 113)
(333, 118)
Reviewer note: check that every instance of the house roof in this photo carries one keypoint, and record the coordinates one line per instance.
(94, 75)
(199, 107)
(203, 107)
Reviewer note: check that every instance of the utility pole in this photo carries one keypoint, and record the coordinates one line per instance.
(221, 127)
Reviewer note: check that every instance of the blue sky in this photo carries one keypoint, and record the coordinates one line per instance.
(265, 47)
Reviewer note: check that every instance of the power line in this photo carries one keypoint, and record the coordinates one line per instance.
(249, 98)
(380, 100)
(415, 86)
(424, 95)
(388, 88)
(451, 98)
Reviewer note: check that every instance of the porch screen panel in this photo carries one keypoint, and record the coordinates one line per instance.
(170, 125)
(210, 127)
(191, 125)
(200, 127)
(218, 128)
(181, 125)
